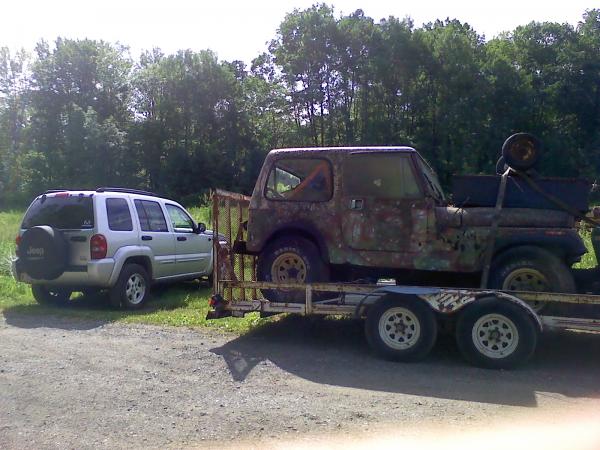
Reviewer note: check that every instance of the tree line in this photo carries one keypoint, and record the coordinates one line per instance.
(84, 113)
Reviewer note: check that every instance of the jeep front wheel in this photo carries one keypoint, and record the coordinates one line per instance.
(290, 260)
(50, 296)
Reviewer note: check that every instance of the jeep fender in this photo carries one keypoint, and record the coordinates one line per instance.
(304, 229)
(566, 243)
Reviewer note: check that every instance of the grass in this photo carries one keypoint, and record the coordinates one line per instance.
(183, 304)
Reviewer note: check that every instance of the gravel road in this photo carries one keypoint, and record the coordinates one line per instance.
(67, 383)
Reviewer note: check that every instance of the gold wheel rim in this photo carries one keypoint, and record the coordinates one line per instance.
(289, 267)
(526, 279)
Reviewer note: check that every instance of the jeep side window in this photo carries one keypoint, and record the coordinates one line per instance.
(119, 217)
(380, 175)
(300, 179)
(151, 216)
(179, 219)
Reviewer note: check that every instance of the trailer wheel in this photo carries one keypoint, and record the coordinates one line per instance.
(401, 329)
(496, 334)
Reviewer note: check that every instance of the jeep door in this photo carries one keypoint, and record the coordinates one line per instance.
(156, 235)
(192, 250)
(384, 208)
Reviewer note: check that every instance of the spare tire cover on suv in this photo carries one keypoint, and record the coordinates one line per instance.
(43, 253)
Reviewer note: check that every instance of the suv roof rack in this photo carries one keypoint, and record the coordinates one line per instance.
(126, 191)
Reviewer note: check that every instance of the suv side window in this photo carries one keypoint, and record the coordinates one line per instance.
(380, 175)
(179, 218)
(301, 180)
(151, 216)
(119, 217)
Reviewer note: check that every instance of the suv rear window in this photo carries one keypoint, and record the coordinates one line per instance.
(119, 217)
(300, 179)
(71, 212)
(151, 216)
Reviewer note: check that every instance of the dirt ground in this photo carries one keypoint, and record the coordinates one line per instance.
(311, 383)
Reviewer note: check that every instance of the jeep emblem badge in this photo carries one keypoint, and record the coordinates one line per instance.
(32, 251)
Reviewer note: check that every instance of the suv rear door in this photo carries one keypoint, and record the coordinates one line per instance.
(192, 250)
(156, 235)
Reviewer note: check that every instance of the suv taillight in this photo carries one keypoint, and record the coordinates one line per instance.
(98, 246)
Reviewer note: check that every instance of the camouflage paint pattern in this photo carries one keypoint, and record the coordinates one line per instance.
(423, 233)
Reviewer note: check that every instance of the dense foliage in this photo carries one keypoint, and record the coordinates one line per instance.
(83, 113)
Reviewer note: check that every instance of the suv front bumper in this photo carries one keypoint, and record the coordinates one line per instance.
(95, 274)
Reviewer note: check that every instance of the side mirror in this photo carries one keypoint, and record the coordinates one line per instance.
(201, 228)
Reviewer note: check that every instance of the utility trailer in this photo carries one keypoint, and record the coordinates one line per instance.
(494, 329)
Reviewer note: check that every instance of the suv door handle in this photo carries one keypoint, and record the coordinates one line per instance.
(181, 238)
(146, 238)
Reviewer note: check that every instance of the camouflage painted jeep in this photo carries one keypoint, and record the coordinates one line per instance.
(344, 214)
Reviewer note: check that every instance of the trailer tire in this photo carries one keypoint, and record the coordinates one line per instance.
(401, 329)
(496, 334)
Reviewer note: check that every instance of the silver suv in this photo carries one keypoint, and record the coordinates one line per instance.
(117, 239)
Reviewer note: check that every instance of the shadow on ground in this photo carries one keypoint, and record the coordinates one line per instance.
(93, 310)
(335, 352)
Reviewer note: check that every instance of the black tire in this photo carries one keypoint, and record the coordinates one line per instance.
(496, 334)
(304, 264)
(521, 151)
(43, 253)
(530, 268)
(50, 296)
(132, 289)
(412, 318)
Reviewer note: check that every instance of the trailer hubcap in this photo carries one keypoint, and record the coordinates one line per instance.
(399, 328)
(495, 336)
(288, 267)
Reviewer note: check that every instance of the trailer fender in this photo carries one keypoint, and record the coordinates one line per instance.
(447, 301)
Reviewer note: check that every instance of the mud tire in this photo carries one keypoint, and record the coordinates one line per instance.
(306, 258)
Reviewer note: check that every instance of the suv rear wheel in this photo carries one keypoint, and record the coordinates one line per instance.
(132, 288)
(50, 296)
(292, 259)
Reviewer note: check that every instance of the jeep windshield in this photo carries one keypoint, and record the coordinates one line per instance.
(72, 212)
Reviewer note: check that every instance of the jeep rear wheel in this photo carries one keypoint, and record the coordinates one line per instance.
(291, 259)
(50, 296)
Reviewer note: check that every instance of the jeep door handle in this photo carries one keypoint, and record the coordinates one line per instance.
(146, 238)
(181, 238)
(356, 203)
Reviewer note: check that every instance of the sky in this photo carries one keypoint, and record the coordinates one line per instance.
(236, 29)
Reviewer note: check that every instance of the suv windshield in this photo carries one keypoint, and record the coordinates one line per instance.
(65, 213)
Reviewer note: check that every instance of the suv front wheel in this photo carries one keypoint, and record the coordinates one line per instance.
(132, 288)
